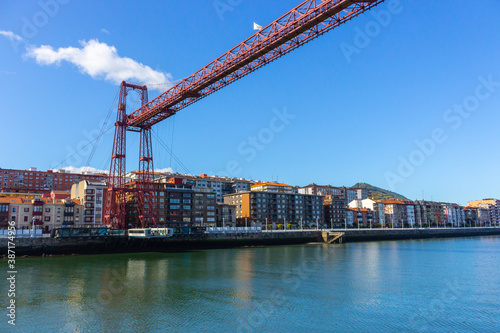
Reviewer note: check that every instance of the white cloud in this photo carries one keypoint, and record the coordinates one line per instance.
(99, 60)
(10, 35)
(165, 170)
(105, 31)
(80, 170)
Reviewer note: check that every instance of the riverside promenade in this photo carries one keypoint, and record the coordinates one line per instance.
(41, 246)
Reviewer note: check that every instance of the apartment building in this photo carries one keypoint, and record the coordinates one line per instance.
(256, 208)
(273, 187)
(477, 216)
(177, 204)
(92, 197)
(42, 213)
(4, 214)
(493, 206)
(361, 193)
(225, 215)
(34, 181)
(378, 209)
(334, 211)
(174, 204)
(363, 217)
(221, 185)
(399, 213)
(454, 214)
(429, 213)
(347, 193)
(204, 207)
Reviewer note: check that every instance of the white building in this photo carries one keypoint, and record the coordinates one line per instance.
(378, 208)
(454, 214)
(91, 196)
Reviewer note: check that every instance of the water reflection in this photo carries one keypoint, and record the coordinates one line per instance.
(386, 286)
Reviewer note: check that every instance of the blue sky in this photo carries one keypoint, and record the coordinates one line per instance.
(412, 107)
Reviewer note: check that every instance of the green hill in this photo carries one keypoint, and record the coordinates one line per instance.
(377, 193)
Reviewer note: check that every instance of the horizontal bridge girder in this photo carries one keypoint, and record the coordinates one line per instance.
(307, 21)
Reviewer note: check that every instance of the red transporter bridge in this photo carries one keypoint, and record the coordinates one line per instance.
(309, 20)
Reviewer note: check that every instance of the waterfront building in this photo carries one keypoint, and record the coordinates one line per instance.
(350, 216)
(347, 193)
(225, 215)
(42, 213)
(177, 204)
(256, 208)
(399, 213)
(378, 209)
(334, 211)
(429, 213)
(174, 204)
(273, 187)
(477, 216)
(454, 215)
(204, 207)
(493, 207)
(364, 217)
(38, 182)
(221, 185)
(4, 214)
(92, 196)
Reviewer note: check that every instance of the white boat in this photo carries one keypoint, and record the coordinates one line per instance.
(151, 232)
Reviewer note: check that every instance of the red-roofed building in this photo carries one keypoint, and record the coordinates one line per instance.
(42, 213)
(34, 181)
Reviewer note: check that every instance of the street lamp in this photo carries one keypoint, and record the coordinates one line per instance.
(33, 227)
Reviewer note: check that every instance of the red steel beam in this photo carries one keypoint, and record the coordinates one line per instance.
(307, 21)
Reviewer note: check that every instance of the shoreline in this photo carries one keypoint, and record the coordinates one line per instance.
(41, 247)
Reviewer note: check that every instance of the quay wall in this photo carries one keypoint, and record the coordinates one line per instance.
(94, 245)
(363, 235)
(67, 246)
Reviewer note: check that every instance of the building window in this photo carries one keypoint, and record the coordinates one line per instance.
(25, 219)
(47, 218)
(26, 209)
(47, 210)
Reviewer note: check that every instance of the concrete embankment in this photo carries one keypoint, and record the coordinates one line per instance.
(401, 234)
(91, 245)
(68, 246)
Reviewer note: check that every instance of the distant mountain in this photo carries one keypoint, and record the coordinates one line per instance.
(377, 193)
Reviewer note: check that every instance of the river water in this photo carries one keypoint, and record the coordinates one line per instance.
(450, 285)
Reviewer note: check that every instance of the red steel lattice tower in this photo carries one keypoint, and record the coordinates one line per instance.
(303, 23)
(116, 198)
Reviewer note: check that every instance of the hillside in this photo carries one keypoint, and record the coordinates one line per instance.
(377, 193)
